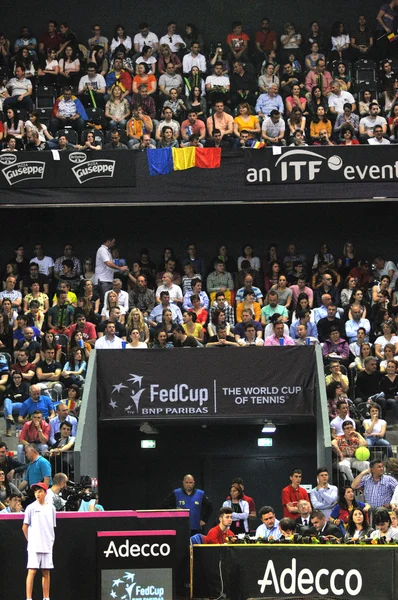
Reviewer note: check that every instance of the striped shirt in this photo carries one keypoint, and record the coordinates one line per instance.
(378, 493)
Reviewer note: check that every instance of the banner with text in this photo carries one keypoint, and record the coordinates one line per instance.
(202, 383)
(321, 164)
(255, 572)
(137, 565)
(64, 169)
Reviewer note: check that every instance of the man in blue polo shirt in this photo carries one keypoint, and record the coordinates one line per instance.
(39, 469)
(188, 497)
(36, 402)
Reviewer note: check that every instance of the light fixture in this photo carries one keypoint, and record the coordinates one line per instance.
(268, 427)
(265, 442)
(147, 428)
(148, 444)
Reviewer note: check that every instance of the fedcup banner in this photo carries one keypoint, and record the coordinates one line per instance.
(206, 383)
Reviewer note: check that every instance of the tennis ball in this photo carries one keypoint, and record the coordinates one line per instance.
(362, 453)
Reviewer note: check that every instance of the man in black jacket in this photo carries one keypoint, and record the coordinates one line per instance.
(322, 528)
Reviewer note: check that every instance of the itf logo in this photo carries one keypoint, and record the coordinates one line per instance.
(136, 391)
(308, 166)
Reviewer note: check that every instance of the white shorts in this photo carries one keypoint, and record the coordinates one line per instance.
(40, 560)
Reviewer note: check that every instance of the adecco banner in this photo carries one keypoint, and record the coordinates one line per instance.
(211, 383)
(321, 164)
(297, 572)
(67, 169)
(135, 565)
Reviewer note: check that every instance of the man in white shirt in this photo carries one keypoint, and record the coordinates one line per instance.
(338, 98)
(123, 297)
(109, 341)
(145, 38)
(174, 290)
(217, 85)
(168, 121)
(20, 91)
(368, 123)
(92, 85)
(378, 138)
(336, 425)
(172, 39)
(194, 59)
(105, 266)
(46, 263)
(383, 267)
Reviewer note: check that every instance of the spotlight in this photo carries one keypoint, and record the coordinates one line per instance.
(268, 427)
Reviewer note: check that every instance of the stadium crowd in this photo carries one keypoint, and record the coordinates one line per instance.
(324, 86)
(53, 312)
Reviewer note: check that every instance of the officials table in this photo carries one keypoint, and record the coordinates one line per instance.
(254, 571)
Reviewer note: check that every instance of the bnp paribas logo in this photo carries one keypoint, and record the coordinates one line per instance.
(132, 391)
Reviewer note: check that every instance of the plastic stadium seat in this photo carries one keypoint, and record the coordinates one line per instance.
(45, 96)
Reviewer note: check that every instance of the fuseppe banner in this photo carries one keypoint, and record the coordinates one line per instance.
(321, 164)
(67, 169)
(202, 383)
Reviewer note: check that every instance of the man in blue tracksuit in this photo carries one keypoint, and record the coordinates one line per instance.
(190, 497)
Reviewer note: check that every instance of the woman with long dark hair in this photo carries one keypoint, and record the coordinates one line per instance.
(318, 123)
(147, 58)
(69, 67)
(344, 507)
(340, 42)
(75, 368)
(34, 123)
(358, 527)
(120, 38)
(6, 488)
(194, 80)
(47, 342)
(197, 102)
(98, 56)
(317, 99)
(192, 35)
(14, 126)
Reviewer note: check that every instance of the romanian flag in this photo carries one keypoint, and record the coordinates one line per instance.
(162, 161)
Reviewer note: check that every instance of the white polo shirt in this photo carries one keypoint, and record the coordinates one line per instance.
(102, 271)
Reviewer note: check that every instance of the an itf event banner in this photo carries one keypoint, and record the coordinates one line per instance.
(65, 169)
(135, 565)
(321, 164)
(189, 383)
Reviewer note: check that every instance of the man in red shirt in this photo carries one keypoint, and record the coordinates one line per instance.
(86, 328)
(291, 495)
(265, 38)
(220, 534)
(36, 431)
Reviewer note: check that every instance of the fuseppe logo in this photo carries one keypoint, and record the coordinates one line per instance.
(94, 169)
(8, 159)
(33, 169)
(77, 157)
